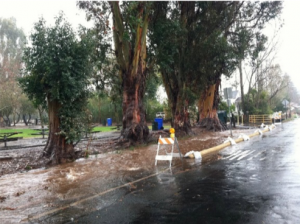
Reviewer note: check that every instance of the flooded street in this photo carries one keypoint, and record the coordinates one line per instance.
(252, 182)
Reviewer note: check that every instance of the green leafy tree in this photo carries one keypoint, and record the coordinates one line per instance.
(56, 73)
(194, 44)
(192, 52)
(243, 33)
(254, 106)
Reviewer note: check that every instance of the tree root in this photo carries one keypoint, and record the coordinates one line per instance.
(212, 124)
(136, 133)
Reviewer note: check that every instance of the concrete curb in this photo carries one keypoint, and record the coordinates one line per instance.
(215, 149)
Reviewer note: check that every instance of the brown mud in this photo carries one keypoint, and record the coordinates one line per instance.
(14, 159)
(32, 192)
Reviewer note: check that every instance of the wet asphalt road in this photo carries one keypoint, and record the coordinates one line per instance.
(257, 181)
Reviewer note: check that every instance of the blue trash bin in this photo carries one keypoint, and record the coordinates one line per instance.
(109, 121)
(159, 122)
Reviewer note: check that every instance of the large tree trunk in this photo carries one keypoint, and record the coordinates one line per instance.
(134, 121)
(208, 106)
(181, 116)
(57, 148)
(132, 63)
(178, 104)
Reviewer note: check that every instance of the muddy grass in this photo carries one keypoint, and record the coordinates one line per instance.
(17, 159)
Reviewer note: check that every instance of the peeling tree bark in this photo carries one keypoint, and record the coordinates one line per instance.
(131, 60)
(208, 106)
(134, 123)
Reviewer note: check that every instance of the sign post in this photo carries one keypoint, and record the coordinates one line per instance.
(228, 96)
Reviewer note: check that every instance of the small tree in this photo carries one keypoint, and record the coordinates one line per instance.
(56, 74)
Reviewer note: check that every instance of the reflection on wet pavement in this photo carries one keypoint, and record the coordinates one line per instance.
(60, 193)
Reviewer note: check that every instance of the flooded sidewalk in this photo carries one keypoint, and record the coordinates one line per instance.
(37, 195)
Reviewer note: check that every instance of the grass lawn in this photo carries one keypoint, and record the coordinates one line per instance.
(28, 133)
(105, 129)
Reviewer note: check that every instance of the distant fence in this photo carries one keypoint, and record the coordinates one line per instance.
(258, 119)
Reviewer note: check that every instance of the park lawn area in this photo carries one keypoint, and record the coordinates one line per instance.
(28, 133)
(105, 128)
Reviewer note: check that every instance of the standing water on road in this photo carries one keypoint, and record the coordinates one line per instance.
(253, 177)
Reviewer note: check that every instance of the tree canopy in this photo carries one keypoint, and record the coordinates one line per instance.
(196, 42)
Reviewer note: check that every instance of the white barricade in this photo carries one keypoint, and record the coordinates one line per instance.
(167, 156)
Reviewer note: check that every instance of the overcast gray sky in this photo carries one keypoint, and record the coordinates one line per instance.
(289, 47)
(27, 12)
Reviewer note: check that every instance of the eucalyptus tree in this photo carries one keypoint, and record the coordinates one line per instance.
(12, 41)
(192, 52)
(195, 44)
(129, 30)
(57, 71)
(243, 33)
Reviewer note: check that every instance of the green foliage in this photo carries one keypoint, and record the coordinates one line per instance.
(279, 107)
(152, 107)
(102, 107)
(57, 69)
(192, 50)
(107, 103)
(195, 51)
(258, 102)
(224, 106)
(152, 84)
